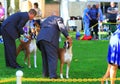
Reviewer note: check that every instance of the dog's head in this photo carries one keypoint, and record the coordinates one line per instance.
(35, 30)
(67, 44)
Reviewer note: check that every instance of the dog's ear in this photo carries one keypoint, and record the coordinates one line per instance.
(64, 44)
(70, 41)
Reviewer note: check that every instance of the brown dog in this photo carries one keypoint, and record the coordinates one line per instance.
(65, 55)
(29, 46)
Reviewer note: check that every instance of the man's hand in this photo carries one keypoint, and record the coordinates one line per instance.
(69, 38)
(28, 37)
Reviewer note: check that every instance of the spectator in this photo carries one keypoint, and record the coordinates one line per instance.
(99, 12)
(2, 14)
(94, 21)
(11, 29)
(38, 16)
(86, 20)
(112, 13)
(48, 44)
(113, 57)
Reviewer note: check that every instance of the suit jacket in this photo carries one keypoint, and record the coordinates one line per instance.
(14, 24)
(50, 30)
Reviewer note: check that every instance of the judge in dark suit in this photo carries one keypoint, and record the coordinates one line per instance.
(11, 29)
(48, 43)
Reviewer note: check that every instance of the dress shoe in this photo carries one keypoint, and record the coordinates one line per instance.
(19, 67)
(15, 67)
(54, 78)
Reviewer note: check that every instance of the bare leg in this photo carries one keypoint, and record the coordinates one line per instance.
(107, 74)
(113, 71)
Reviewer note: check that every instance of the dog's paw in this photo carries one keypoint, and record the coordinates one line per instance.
(61, 76)
(67, 76)
(25, 63)
(29, 66)
(35, 66)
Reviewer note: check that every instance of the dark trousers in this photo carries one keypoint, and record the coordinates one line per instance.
(9, 49)
(49, 58)
(112, 27)
(95, 28)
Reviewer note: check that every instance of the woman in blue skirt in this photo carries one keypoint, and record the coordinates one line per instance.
(113, 55)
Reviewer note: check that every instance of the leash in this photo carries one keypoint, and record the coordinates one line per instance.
(109, 23)
(103, 23)
(94, 25)
(91, 28)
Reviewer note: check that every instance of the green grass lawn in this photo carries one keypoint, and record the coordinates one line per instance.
(89, 61)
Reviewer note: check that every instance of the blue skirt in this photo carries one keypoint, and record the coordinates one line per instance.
(114, 49)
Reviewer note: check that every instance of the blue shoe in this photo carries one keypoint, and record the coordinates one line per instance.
(1, 40)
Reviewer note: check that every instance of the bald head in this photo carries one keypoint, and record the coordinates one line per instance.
(112, 4)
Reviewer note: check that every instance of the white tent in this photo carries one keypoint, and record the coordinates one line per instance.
(5, 5)
(64, 10)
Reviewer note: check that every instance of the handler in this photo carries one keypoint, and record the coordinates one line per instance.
(11, 29)
(48, 43)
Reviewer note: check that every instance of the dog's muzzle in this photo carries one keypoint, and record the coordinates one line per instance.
(66, 44)
(33, 36)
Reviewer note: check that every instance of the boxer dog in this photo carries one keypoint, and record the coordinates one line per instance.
(29, 46)
(65, 56)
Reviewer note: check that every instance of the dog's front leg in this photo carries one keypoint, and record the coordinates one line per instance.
(19, 49)
(25, 57)
(67, 70)
(35, 62)
(61, 70)
(29, 65)
(61, 56)
(28, 56)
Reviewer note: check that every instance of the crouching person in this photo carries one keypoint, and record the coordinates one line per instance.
(11, 29)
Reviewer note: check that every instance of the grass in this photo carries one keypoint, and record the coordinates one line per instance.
(89, 61)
